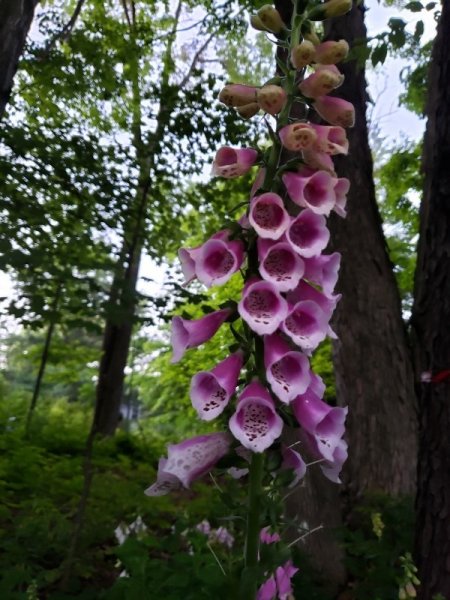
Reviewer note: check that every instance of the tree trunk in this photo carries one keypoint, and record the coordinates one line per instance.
(373, 367)
(15, 21)
(431, 330)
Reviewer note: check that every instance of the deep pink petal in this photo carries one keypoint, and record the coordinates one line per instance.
(280, 264)
(323, 270)
(268, 590)
(191, 333)
(283, 576)
(218, 260)
(306, 324)
(293, 461)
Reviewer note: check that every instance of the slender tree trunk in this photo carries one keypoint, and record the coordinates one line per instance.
(431, 330)
(15, 21)
(44, 359)
(373, 368)
(119, 327)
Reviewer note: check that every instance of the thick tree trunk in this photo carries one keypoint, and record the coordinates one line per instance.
(431, 330)
(373, 367)
(15, 21)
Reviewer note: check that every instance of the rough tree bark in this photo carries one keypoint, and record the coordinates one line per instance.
(372, 361)
(15, 21)
(431, 329)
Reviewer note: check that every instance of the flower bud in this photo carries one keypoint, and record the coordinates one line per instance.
(410, 590)
(330, 53)
(237, 94)
(248, 110)
(270, 18)
(303, 54)
(332, 8)
(335, 111)
(322, 82)
(271, 98)
(256, 23)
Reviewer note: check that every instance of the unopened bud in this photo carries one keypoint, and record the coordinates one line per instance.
(402, 594)
(256, 23)
(248, 110)
(330, 53)
(332, 8)
(271, 18)
(237, 94)
(271, 98)
(322, 82)
(303, 54)
(335, 111)
(410, 590)
(309, 33)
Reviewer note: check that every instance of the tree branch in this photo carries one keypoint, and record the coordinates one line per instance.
(65, 32)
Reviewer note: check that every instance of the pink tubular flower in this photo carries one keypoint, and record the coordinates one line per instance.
(304, 291)
(323, 270)
(233, 162)
(283, 576)
(332, 468)
(306, 324)
(330, 139)
(308, 233)
(262, 307)
(341, 190)
(287, 370)
(255, 423)
(293, 461)
(211, 390)
(218, 259)
(187, 258)
(265, 537)
(236, 94)
(189, 460)
(324, 80)
(188, 333)
(268, 216)
(271, 98)
(315, 191)
(279, 264)
(298, 136)
(335, 111)
(268, 590)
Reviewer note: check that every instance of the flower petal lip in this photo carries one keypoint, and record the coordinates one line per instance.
(335, 111)
(188, 333)
(268, 217)
(262, 307)
(218, 260)
(306, 324)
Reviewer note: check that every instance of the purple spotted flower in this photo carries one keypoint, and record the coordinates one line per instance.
(262, 306)
(268, 217)
(211, 390)
(256, 423)
(188, 461)
(279, 263)
(187, 333)
(287, 370)
(306, 324)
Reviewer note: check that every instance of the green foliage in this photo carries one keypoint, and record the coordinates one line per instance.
(381, 533)
(399, 209)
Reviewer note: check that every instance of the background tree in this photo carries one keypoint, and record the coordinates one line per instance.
(431, 313)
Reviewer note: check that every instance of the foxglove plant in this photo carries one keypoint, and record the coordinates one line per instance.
(287, 296)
